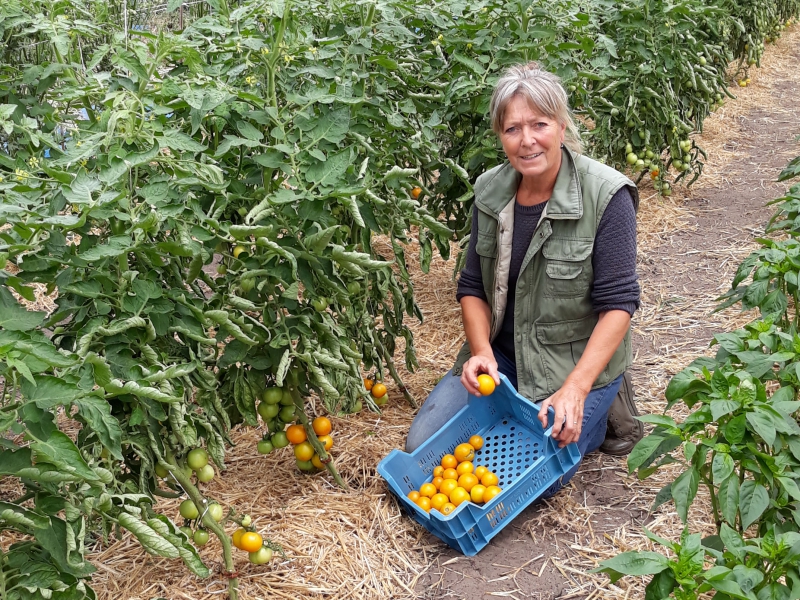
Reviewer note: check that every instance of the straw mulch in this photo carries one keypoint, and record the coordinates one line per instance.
(357, 544)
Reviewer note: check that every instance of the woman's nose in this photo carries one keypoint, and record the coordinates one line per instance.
(528, 138)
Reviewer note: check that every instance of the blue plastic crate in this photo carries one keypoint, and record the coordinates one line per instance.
(516, 448)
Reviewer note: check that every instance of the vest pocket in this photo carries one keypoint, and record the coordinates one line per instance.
(568, 265)
(486, 245)
(562, 344)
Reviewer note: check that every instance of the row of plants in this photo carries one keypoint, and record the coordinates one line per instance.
(739, 440)
(223, 213)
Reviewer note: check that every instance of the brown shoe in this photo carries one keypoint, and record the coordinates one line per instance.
(623, 430)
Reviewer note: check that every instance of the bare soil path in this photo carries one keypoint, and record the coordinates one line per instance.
(689, 250)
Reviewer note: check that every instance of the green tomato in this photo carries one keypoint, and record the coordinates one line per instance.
(279, 440)
(614, 112)
(222, 269)
(305, 465)
(242, 211)
(247, 284)
(631, 158)
(358, 407)
(287, 413)
(262, 556)
(216, 512)
(382, 400)
(286, 398)
(272, 395)
(353, 288)
(161, 471)
(702, 60)
(246, 520)
(200, 537)
(264, 447)
(268, 411)
(187, 531)
(206, 474)
(320, 304)
(188, 510)
(628, 148)
(459, 133)
(197, 459)
(649, 154)
(677, 164)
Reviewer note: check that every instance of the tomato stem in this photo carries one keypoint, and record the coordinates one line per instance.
(393, 372)
(201, 503)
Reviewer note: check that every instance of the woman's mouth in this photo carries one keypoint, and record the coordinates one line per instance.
(531, 156)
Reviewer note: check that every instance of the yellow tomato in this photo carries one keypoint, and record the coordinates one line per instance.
(467, 481)
(490, 492)
(448, 485)
(448, 508)
(449, 461)
(450, 474)
(438, 501)
(459, 495)
(464, 452)
(489, 479)
(413, 495)
(427, 489)
(465, 467)
(480, 471)
(476, 493)
(437, 471)
(424, 503)
(476, 442)
(437, 481)
(485, 384)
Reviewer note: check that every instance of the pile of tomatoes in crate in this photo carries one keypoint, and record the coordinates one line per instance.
(457, 480)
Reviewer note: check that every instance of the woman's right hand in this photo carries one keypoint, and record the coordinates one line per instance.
(475, 366)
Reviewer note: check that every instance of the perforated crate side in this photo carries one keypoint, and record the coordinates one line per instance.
(518, 497)
(468, 421)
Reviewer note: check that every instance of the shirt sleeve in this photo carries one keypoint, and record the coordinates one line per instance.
(616, 283)
(470, 282)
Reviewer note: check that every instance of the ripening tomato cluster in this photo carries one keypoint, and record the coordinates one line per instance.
(251, 542)
(457, 480)
(378, 391)
(307, 458)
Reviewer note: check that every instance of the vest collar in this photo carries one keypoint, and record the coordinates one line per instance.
(566, 201)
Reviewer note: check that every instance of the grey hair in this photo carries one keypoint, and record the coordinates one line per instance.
(543, 90)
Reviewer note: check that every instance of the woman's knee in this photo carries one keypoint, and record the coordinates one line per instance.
(444, 401)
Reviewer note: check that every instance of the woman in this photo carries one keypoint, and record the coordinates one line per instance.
(549, 284)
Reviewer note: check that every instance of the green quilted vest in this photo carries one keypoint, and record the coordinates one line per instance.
(553, 316)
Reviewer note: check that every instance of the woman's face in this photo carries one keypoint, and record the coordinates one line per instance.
(531, 140)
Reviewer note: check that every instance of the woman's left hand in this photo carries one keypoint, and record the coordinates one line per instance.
(568, 405)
